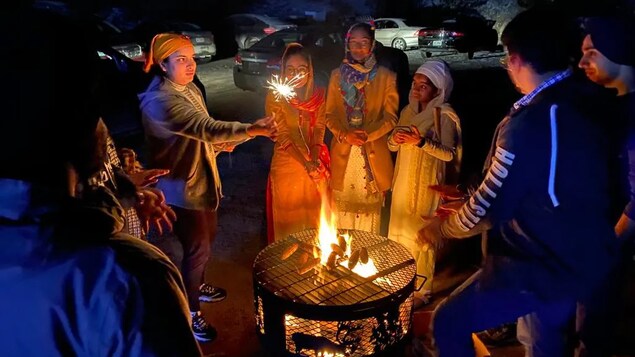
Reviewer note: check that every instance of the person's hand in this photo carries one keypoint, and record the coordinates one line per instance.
(264, 127)
(449, 208)
(153, 210)
(311, 168)
(356, 137)
(430, 234)
(411, 136)
(449, 192)
(145, 178)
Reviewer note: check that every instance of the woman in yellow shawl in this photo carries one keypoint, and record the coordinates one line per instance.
(293, 200)
(361, 110)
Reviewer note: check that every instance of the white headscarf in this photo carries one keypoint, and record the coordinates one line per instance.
(439, 74)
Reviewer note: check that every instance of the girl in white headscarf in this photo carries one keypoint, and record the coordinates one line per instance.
(428, 141)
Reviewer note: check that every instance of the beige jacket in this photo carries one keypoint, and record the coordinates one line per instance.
(382, 103)
(180, 138)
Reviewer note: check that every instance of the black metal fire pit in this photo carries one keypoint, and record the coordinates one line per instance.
(333, 312)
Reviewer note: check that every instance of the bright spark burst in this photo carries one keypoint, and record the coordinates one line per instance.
(284, 88)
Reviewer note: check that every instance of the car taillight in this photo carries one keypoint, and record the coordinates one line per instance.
(456, 34)
(428, 32)
(269, 30)
(238, 60)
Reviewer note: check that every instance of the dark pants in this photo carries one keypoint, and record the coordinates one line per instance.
(472, 308)
(196, 231)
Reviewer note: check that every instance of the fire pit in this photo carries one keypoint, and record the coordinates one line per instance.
(309, 305)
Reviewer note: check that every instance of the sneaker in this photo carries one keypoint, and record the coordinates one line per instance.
(499, 336)
(203, 331)
(211, 293)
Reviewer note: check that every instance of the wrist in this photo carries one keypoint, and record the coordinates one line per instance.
(250, 131)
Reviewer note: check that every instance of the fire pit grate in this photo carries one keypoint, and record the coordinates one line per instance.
(333, 311)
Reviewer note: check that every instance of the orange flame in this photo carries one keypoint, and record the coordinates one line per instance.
(327, 235)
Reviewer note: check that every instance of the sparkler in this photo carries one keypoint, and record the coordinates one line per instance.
(283, 87)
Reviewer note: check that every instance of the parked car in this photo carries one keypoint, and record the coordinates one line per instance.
(393, 32)
(106, 33)
(203, 40)
(463, 34)
(250, 28)
(118, 40)
(254, 66)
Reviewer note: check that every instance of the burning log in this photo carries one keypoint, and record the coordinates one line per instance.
(330, 263)
(363, 255)
(337, 250)
(352, 261)
(304, 257)
(342, 243)
(312, 263)
(289, 250)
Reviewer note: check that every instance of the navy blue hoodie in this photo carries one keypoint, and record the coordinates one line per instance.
(545, 199)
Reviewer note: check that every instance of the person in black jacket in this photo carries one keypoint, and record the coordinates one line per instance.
(544, 201)
(608, 59)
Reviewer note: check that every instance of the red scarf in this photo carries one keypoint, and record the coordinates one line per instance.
(311, 106)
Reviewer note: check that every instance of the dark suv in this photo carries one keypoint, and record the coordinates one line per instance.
(463, 34)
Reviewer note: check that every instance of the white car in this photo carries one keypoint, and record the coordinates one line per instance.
(393, 32)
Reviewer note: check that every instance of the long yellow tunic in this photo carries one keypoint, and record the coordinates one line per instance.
(357, 207)
(295, 201)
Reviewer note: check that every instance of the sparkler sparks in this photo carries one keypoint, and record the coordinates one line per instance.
(284, 88)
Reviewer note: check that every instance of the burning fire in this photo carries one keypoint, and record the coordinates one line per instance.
(331, 242)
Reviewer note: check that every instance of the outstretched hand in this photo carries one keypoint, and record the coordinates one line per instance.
(264, 127)
(430, 234)
(153, 210)
(448, 192)
(145, 178)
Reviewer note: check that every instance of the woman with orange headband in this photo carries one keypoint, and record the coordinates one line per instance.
(183, 138)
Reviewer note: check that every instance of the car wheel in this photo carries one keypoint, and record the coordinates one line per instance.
(250, 42)
(399, 43)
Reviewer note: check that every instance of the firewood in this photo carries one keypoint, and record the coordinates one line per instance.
(352, 261)
(309, 265)
(289, 250)
(363, 255)
(342, 243)
(330, 263)
(337, 250)
(304, 257)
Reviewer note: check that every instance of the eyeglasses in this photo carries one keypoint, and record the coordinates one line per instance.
(299, 71)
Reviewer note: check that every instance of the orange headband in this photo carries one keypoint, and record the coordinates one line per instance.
(162, 46)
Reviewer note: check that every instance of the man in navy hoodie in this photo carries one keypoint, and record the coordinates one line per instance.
(544, 201)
